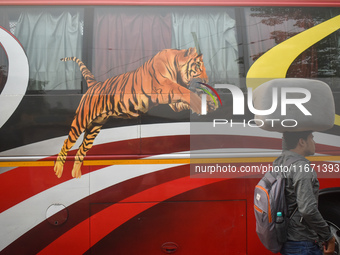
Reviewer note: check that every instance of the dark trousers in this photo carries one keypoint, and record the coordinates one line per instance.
(301, 248)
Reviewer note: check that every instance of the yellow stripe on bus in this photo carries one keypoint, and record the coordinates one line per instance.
(26, 163)
(135, 162)
(161, 161)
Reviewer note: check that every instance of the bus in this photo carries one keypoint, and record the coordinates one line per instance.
(105, 144)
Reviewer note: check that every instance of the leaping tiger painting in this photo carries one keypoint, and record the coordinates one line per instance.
(164, 79)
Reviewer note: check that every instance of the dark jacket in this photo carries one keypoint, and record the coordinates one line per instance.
(302, 189)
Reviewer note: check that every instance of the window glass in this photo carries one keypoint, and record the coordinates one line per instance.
(47, 35)
(3, 57)
(126, 37)
(216, 33)
(3, 69)
(267, 27)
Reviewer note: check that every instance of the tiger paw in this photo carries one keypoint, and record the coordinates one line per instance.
(76, 171)
(58, 168)
(212, 104)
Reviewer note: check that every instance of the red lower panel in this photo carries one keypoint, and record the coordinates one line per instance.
(214, 227)
(117, 214)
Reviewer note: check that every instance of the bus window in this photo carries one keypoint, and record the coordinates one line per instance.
(125, 38)
(269, 26)
(326, 59)
(3, 57)
(3, 69)
(47, 35)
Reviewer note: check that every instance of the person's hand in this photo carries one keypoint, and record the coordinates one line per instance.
(328, 248)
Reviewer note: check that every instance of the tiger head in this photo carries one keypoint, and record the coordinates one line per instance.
(191, 67)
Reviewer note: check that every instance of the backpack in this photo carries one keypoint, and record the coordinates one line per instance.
(269, 199)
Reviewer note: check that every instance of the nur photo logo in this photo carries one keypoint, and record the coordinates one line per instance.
(281, 99)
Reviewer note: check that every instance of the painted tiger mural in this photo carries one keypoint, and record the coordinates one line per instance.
(164, 79)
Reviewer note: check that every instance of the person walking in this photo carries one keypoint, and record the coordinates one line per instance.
(306, 229)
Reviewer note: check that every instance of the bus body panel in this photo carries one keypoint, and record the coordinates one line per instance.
(149, 183)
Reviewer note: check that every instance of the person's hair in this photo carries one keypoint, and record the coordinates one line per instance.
(291, 139)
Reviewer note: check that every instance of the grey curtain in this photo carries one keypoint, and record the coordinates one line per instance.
(216, 36)
(46, 39)
(125, 38)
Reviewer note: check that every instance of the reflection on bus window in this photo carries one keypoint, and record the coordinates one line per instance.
(268, 27)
